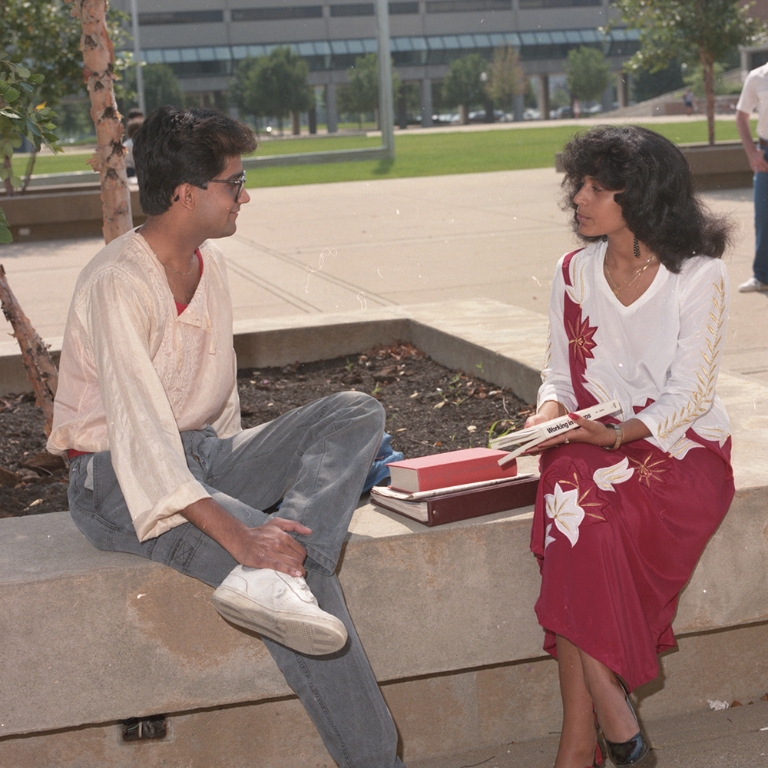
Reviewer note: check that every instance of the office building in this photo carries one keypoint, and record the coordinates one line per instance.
(203, 40)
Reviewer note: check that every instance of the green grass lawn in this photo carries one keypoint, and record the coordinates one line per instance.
(416, 154)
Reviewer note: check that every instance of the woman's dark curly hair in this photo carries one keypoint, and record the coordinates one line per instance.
(184, 146)
(654, 190)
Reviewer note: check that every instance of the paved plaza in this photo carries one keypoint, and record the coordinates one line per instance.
(353, 247)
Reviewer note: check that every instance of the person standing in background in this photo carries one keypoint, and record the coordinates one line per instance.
(754, 96)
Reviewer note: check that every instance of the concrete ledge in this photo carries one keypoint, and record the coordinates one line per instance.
(445, 613)
(427, 602)
(152, 634)
(55, 212)
(723, 166)
(506, 342)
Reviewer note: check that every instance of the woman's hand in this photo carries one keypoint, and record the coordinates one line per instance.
(591, 432)
(549, 410)
(588, 431)
(596, 433)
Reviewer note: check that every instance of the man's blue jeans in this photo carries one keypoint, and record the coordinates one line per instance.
(316, 459)
(760, 264)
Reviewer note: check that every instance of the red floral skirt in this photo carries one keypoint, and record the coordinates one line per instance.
(617, 535)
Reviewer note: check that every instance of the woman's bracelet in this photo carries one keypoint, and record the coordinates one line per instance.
(619, 436)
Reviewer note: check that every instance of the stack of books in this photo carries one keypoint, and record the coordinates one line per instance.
(455, 485)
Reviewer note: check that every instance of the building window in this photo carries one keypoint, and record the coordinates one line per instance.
(355, 9)
(276, 13)
(460, 6)
(181, 17)
(403, 8)
(524, 4)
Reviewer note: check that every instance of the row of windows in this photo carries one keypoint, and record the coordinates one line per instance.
(441, 49)
(274, 13)
(462, 6)
(181, 17)
(525, 4)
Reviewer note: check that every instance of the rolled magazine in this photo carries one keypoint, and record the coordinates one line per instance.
(531, 436)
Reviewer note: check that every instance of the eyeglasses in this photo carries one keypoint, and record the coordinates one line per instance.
(237, 183)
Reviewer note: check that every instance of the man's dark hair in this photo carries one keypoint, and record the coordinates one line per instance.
(654, 190)
(184, 146)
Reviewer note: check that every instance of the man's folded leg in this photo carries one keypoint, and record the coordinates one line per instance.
(340, 692)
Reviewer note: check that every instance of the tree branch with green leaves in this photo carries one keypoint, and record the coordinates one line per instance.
(23, 115)
(702, 31)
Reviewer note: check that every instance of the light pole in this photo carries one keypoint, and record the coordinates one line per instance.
(137, 56)
(386, 101)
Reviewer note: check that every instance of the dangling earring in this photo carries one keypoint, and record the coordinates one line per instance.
(636, 249)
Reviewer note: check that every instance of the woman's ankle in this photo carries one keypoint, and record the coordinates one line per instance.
(576, 752)
(617, 721)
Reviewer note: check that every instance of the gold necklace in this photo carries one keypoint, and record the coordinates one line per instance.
(183, 274)
(618, 288)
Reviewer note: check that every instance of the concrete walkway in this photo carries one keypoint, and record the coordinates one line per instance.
(356, 246)
(736, 738)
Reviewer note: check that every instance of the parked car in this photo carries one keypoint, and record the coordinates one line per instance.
(479, 116)
(560, 113)
(445, 118)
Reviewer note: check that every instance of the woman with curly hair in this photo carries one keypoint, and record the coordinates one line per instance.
(627, 504)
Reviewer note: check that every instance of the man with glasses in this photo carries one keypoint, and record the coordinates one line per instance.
(147, 411)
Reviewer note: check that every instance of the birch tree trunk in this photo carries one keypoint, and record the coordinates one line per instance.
(41, 370)
(708, 72)
(109, 158)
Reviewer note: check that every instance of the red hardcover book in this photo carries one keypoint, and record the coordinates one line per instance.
(463, 504)
(441, 470)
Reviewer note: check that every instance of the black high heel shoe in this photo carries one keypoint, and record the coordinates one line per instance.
(630, 752)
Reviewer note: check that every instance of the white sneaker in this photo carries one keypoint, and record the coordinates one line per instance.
(280, 607)
(753, 284)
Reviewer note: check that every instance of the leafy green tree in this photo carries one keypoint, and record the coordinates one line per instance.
(361, 95)
(646, 85)
(587, 72)
(160, 86)
(506, 77)
(273, 86)
(464, 84)
(695, 79)
(696, 31)
(74, 119)
(22, 116)
(47, 37)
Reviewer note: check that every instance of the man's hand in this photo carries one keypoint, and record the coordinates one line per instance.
(266, 546)
(270, 546)
(755, 156)
(757, 160)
